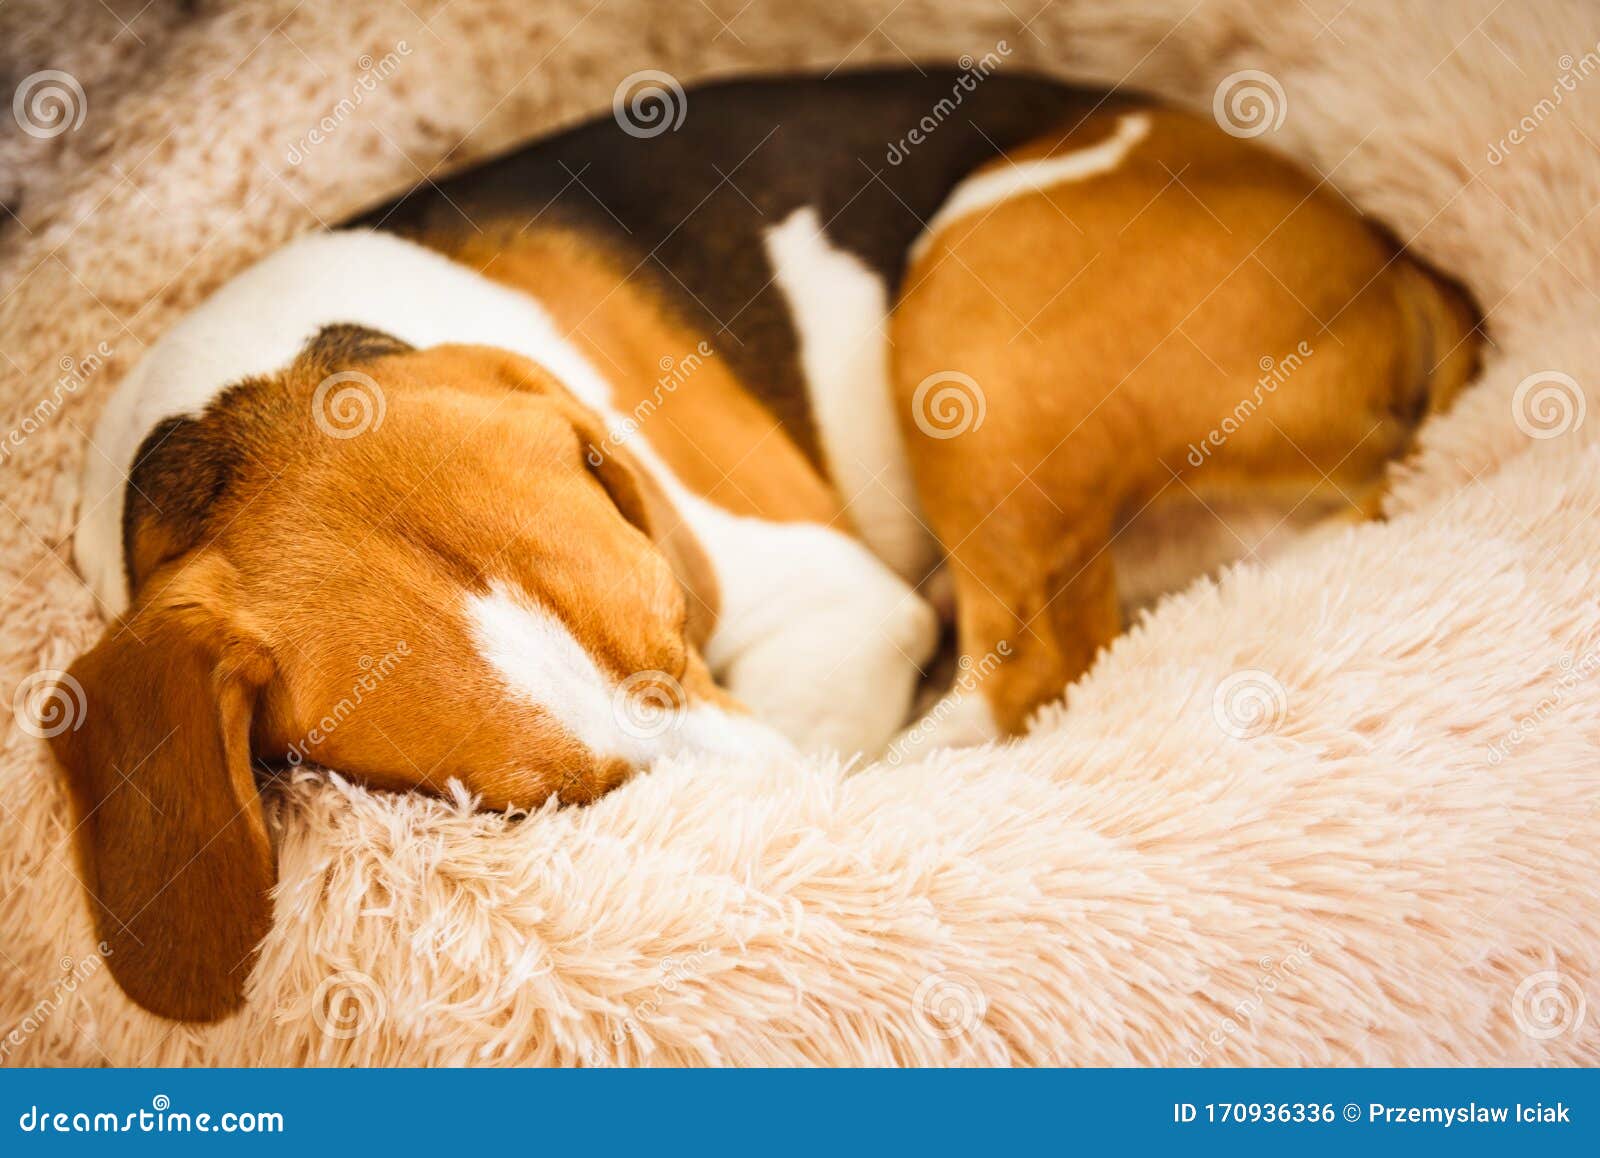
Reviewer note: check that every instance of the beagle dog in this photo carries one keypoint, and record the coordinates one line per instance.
(633, 444)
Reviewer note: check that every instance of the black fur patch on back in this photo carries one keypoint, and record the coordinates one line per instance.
(874, 153)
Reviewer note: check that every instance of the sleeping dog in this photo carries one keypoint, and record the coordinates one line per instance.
(705, 423)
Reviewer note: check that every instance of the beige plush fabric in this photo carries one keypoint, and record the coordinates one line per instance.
(1345, 809)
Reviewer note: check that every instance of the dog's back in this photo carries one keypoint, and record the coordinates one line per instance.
(690, 205)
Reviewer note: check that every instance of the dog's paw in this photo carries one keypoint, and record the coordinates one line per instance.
(840, 680)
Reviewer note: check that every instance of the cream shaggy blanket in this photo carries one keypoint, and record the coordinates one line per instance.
(1340, 809)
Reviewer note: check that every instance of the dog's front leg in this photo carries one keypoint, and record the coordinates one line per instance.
(823, 642)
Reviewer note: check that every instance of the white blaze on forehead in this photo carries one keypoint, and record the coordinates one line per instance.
(543, 663)
(986, 190)
(839, 307)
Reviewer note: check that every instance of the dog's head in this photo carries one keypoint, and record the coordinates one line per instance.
(409, 565)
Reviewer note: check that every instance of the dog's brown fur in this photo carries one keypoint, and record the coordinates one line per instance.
(1166, 283)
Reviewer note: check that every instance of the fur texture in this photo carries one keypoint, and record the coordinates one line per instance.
(1396, 863)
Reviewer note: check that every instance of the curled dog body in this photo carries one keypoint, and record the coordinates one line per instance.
(632, 467)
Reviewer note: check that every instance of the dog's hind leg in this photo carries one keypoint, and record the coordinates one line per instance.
(1036, 599)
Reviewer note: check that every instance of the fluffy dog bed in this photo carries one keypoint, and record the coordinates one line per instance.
(1343, 808)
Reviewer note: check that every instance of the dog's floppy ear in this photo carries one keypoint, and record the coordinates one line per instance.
(641, 500)
(173, 843)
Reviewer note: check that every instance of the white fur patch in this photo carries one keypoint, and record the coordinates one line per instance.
(541, 662)
(816, 634)
(1002, 183)
(840, 308)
